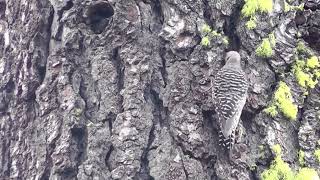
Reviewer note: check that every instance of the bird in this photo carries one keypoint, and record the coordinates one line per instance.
(229, 95)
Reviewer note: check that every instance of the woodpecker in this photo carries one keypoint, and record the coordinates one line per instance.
(229, 95)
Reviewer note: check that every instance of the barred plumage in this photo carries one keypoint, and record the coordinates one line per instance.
(229, 96)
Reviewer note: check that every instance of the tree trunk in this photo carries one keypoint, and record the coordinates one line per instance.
(118, 89)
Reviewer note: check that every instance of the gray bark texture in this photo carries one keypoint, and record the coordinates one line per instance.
(118, 89)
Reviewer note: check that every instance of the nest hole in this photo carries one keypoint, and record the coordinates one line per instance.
(313, 38)
(99, 16)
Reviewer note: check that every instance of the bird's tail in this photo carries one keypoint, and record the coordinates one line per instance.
(226, 142)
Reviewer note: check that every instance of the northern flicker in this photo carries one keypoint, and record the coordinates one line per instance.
(229, 96)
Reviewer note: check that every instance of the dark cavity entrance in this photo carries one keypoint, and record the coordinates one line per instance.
(99, 16)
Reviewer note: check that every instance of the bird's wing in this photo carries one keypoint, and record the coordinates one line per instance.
(230, 88)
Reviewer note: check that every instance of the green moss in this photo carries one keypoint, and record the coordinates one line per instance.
(251, 7)
(303, 78)
(214, 33)
(206, 28)
(225, 40)
(300, 63)
(317, 74)
(251, 24)
(276, 149)
(288, 7)
(307, 174)
(271, 110)
(302, 49)
(266, 5)
(312, 84)
(264, 49)
(298, 8)
(284, 101)
(313, 62)
(303, 74)
(209, 34)
(278, 169)
(205, 41)
(301, 155)
(317, 154)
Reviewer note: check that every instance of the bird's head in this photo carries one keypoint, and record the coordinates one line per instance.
(233, 58)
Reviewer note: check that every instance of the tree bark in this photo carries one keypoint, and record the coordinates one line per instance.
(118, 89)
